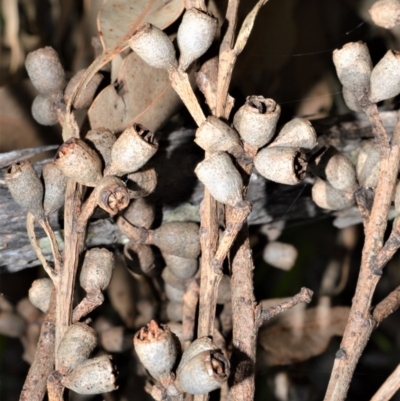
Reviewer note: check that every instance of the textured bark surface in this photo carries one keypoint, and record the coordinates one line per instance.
(180, 194)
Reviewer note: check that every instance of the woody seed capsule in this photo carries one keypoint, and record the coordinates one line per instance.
(195, 35)
(283, 165)
(55, 184)
(327, 197)
(142, 183)
(351, 100)
(44, 110)
(368, 164)
(140, 213)
(216, 136)
(25, 187)
(297, 133)
(157, 349)
(337, 169)
(96, 270)
(385, 77)
(183, 268)
(221, 178)
(132, 150)
(40, 293)
(174, 312)
(78, 161)
(353, 66)
(203, 368)
(179, 238)
(94, 376)
(386, 13)
(154, 47)
(45, 70)
(256, 120)
(111, 194)
(169, 278)
(280, 255)
(102, 140)
(75, 347)
(174, 294)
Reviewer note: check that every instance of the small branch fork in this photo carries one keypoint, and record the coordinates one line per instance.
(374, 257)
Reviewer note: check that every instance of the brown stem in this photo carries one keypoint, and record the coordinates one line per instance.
(389, 387)
(55, 390)
(42, 366)
(231, 18)
(136, 234)
(53, 243)
(200, 4)
(180, 83)
(263, 316)
(74, 242)
(361, 323)
(387, 306)
(86, 212)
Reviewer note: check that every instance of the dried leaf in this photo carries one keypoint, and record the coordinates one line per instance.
(117, 16)
(291, 340)
(144, 96)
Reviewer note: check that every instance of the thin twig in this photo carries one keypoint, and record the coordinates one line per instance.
(200, 4)
(305, 295)
(30, 228)
(387, 306)
(190, 301)
(53, 243)
(389, 387)
(360, 324)
(228, 57)
(87, 305)
(42, 366)
(181, 84)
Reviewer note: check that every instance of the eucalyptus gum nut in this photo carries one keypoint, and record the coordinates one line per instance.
(132, 150)
(174, 312)
(337, 169)
(353, 66)
(297, 133)
(40, 293)
(94, 376)
(55, 184)
(45, 70)
(44, 110)
(75, 347)
(25, 187)
(351, 100)
(115, 339)
(219, 175)
(282, 165)
(142, 183)
(280, 255)
(139, 258)
(11, 325)
(102, 140)
(169, 278)
(154, 47)
(386, 13)
(327, 197)
(179, 238)
(173, 294)
(111, 194)
(97, 268)
(196, 347)
(195, 35)
(368, 164)
(224, 290)
(78, 161)
(256, 120)
(140, 213)
(216, 136)
(156, 348)
(203, 373)
(86, 97)
(385, 77)
(183, 268)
